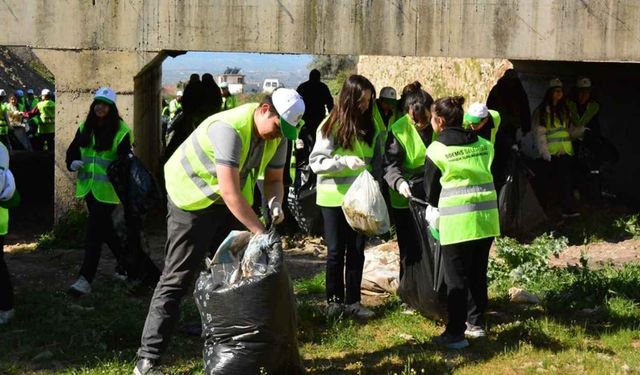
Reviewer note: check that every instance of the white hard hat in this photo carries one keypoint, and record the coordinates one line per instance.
(583, 83)
(3, 93)
(388, 93)
(223, 85)
(476, 112)
(555, 82)
(290, 106)
(106, 94)
(179, 93)
(45, 92)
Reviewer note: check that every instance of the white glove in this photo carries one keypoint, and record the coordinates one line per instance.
(404, 189)
(515, 147)
(275, 209)
(76, 165)
(432, 215)
(9, 187)
(352, 162)
(299, 144)
(546, 156)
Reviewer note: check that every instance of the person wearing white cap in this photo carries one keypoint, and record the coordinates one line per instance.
(385, 110)
(228, 100)
(100, 139)
(210, 182)
(551, 124)
(346, 145)
(45, 112)
(583, 109)
(175, 105)
(9, 198)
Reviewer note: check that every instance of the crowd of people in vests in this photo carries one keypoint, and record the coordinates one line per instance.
(27, 121)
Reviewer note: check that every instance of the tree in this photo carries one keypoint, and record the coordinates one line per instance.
(331, 65)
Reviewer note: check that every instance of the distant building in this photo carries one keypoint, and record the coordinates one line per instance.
(235, 82)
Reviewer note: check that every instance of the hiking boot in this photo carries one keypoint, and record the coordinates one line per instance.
(80, 288)
(474, 332)
(146, 366)
(335, 310)
(358, 311)
(6, 316)
(450, 341)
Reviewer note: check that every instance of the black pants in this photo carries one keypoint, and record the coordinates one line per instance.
(341, 239)
(6, 289)
(191, 235)
(408, 238)
(99, 230)
(465, 273)
(560, 179)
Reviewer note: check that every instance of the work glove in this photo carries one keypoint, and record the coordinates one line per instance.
(76, 165)
(546, 156)
(275, 209)
(432, 215)
(404, 189)
(9, 186)
(352, 162)
(299, 144)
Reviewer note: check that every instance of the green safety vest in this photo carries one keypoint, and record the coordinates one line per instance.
(4, 221)
(93, 175)
(495, 116)
(331, 187)
(405, 132)
(592, 109)
(165, 111)
(381, 127)
(468, 201)
(189, 181)
(558, 137)
(174, 106)
(229, 102)
(4, 126)
(34, 102)
(47, 124)
(22, 104)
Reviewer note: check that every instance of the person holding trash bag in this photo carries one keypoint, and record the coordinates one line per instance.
(464, 210)
(346, 144)
(210, 183)
(404, 155)
(101, 139)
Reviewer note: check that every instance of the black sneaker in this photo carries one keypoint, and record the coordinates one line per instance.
(146, 366)
(450, 341)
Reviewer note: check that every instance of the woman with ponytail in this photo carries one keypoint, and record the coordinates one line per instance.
(464, 211)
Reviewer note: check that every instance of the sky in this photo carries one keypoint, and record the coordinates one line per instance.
(291, 70)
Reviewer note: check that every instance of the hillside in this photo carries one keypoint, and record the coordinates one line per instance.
(21, 69)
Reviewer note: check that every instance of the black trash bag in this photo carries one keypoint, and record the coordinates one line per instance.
(422, 285)
(520, 210)
(248, 309)
(594, 150)
(301, 200)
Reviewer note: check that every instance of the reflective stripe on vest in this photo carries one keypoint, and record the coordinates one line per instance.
(332, 187)
(558, 137)
(589, 113)
(405, 132)
(93, 175)
(47, 110)
(468, 201)
(190, 180)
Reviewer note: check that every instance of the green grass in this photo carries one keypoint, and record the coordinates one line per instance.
(68, 233)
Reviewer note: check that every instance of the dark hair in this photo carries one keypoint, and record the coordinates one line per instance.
(450, 109)
(417, 100)
(314, 75)
(267, 99)
(103, 130)
(559, 110)
(346, 123)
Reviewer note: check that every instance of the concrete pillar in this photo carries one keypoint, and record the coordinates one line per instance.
(78, 74)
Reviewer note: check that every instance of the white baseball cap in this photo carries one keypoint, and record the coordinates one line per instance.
(179, 93)
(290, 107)
(583, 83)
(45, 92)
(388, 93)
(106, 94)
(555, 82)
(223, 85)
(476, 112)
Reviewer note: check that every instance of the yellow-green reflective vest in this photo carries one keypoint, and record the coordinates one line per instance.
(93, 175)
(558, 137)
(495, 117)
(229, 102)
(188, 173)
(47, 124)
(404, 130)
(4, 126)
(592, 109)
(174, 106)
(468, 201)
(331, 187)
(4, 221)
(381, 127)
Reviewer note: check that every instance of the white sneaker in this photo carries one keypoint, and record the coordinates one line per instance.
(80, 287)
(6, 316)
(474, 332)
(358, 311)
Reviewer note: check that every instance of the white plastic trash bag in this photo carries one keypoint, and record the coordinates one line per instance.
(364, 206)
